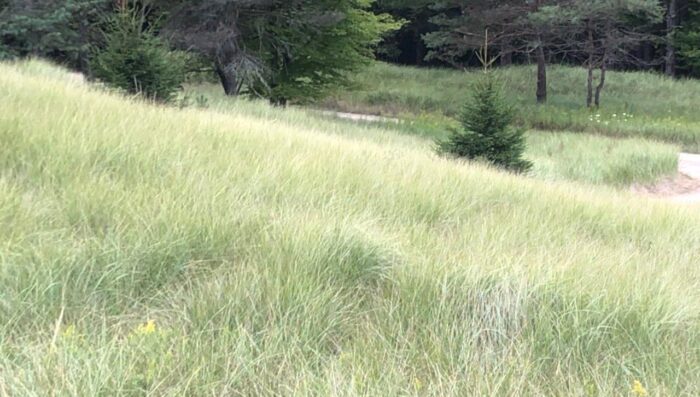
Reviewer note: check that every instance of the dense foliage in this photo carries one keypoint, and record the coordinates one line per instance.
(315, 45)
(688, 39)
(300, 50)
(62, 30)
(452, 29)
(281, 50)
(406, 45)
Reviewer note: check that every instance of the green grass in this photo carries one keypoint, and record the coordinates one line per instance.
(599, 160)
(278, 259)
(579, 157)
(634, 104)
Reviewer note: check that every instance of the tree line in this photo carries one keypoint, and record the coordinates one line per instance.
(277, 49)
(448, 31)
(301, 49)
(661, 35)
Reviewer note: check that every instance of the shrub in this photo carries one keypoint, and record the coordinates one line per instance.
(487, 132)
(136, 60)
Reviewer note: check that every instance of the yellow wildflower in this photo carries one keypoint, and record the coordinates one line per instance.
(146, 329)
(68, 332)
(638, 389)
(417, 384)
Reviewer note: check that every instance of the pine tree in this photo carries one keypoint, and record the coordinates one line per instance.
(487, 132)
(137, 61)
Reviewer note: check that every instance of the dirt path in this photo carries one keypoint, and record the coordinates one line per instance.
(689, 166)
(684, 188)
(360, 117)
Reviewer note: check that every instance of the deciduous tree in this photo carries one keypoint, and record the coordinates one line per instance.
(279, 49)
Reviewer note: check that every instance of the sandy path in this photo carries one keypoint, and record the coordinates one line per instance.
(683, 188)
(689, 166)
(360, 117)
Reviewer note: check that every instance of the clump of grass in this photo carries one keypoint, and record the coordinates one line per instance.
(152, 250)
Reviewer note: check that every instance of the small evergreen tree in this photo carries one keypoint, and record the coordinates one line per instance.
(487, 132)
(136, 60)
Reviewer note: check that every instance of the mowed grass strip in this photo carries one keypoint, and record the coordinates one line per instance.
(150, 250)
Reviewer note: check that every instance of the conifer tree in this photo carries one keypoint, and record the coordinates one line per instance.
(136, 60)
(487, 132)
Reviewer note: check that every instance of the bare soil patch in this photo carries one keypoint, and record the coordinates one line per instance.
(683, 188)
(669, 187)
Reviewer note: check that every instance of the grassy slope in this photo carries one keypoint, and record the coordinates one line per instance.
(557, 156)
(654, 106)
(277, 259)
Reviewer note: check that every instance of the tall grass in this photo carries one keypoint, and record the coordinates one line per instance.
(599, 160)
(274, 259)
(579, 157)
(634, 104)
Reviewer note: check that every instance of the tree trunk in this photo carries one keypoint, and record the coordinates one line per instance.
(671, 25)
(279, 102)
(601, 84)
(228, 81)
(83, 62)
(420, 47)
(590, 48)
(541, 76)
(541, 63)
(647, 54)
(506, 56)
(589, 97)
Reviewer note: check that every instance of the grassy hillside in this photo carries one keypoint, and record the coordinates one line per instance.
(633, 104)
(150, 250)
(557, 155)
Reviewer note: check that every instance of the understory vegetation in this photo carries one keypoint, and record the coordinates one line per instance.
(637, 104)
(150, 250)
